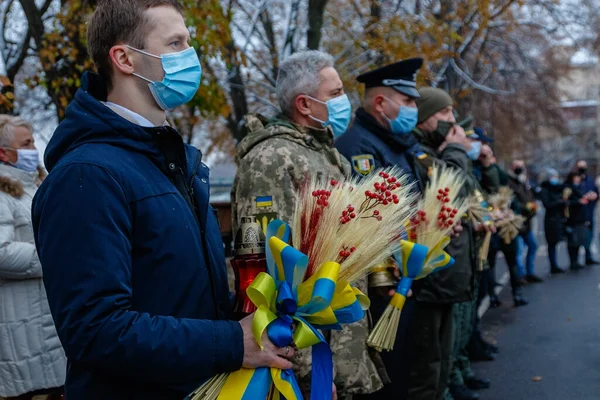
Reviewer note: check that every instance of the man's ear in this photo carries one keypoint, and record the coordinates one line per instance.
(378, 103)
(303, 104)
(122, 59)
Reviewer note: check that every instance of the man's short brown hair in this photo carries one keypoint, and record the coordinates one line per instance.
(119, 22)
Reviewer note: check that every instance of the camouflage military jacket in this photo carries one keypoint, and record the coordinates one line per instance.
(273, 161)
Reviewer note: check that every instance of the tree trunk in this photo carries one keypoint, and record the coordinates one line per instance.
(316, 11)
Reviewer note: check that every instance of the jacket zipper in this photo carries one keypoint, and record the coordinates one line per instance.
(190, 190)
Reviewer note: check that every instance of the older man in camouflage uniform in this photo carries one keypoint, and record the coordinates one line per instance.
(274, 160)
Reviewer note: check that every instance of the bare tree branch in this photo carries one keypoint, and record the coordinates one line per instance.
(474, 84)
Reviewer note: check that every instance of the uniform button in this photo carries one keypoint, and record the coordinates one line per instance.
(203, 180)
(172, 166)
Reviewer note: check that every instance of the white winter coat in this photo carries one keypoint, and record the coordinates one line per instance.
(31, 356)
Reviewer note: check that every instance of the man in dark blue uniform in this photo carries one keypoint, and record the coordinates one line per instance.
(381, 136)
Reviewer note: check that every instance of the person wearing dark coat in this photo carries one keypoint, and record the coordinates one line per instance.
(555, 204)
(444, 141)
(131, 252)
(381, 136)
(589, 189)
(576, 218)
(524, 199)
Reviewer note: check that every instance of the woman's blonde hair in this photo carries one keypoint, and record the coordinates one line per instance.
(8, 123)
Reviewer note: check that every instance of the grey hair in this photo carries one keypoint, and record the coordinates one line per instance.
(299, 74)
(8, 123)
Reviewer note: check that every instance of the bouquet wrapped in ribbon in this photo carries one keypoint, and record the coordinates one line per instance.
(480, 214)
(438, 212)
(340, 229)
(508, 223)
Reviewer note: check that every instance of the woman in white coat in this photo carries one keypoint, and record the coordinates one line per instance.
(32, 360)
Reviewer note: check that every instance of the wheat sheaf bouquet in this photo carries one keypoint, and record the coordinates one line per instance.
(438, 212)
(340, 229)
(507, 222)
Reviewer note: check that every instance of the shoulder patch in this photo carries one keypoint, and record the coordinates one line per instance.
(264, 201)
(421, 155)
(363, 164)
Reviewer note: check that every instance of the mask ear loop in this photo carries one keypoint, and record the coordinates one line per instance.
(323, 123)
(389, 121)
(147, 54)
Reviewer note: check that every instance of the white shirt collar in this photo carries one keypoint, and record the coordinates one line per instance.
(137, 117)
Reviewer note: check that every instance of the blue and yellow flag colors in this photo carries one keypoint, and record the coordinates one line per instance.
(416, 262)
(283, 298)
(264, 201)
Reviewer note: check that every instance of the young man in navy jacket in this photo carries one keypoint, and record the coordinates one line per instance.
(131, 252)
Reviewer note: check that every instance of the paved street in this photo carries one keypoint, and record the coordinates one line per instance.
(550, 349)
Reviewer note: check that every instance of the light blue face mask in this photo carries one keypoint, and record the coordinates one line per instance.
(183, 73)
(406, 120)
(554, 181)
(339, 112)
(475, 151)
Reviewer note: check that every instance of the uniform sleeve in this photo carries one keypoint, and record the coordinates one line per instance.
(18, 260)
(455, 156)
(83, 229)
(269, 175)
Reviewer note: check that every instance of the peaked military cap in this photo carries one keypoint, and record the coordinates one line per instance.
(401, 75)
(481, 135)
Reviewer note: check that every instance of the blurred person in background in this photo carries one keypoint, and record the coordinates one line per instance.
(576, 229)
(32, 361)
(590, 190)
(526, 203)
(555, 204)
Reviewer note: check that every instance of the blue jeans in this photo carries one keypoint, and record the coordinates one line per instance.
(529, 240)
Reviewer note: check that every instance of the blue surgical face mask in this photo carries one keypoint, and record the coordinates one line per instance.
(406, 120)
(475, 151)
(339, 112)
(554, 181)
(182, 78)
(27, 159)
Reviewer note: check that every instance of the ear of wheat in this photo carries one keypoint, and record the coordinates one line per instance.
(439, 211)
(355, 222)
(479, 214)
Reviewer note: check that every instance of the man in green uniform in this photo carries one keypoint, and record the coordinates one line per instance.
(444, 141)
(275, 159)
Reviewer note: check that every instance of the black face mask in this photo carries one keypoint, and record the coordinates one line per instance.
(437, 137)
(518, 171)
(582, 171)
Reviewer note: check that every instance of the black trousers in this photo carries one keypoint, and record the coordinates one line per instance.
(510, 254)
(432, 357)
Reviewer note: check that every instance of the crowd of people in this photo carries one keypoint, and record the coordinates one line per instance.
(137, 305)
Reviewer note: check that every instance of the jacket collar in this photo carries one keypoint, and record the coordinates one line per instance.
(14, 180)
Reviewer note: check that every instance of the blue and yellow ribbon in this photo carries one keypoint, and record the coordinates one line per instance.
(284, 300)
(416, 262)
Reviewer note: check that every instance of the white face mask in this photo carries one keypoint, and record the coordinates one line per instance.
(27, 159)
